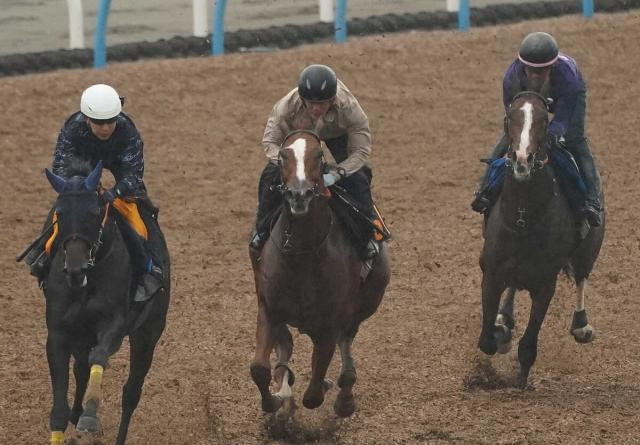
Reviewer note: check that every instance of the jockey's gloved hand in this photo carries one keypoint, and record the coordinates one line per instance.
(330, 178)
(110, 194)
(555, 141)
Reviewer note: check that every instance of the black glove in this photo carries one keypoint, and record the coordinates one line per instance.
(555, 141)
(110, 194)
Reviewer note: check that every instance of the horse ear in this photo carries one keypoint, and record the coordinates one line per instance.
(91, 182)
(56, 181)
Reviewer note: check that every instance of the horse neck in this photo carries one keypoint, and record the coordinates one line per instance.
(528, 200)
(307, 232)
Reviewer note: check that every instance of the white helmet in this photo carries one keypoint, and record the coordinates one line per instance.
(100, 102)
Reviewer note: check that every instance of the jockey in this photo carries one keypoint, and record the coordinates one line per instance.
(539, 62)
(321, 103)
(100, 131)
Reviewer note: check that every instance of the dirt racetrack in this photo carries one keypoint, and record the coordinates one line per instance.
(434, 104)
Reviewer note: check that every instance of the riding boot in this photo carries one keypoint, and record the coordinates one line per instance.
(37, 259)
(592, 208)
(269, 200)
(150, 283)
(38, 262)
(484, 196)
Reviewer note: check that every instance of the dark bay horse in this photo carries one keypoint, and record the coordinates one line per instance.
(89, 308)
(308, 277)
(531, 235)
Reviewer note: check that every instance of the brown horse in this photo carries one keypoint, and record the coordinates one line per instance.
(530, 235)
(308, 276)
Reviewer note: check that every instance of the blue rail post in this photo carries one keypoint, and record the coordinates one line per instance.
(217, 35)
(464, 15)
(341, 21)
(100, 47)
(587, 8)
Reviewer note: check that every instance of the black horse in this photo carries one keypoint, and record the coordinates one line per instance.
(531, 234)
(89, 307)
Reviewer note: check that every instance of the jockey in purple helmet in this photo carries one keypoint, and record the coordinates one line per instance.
(539, 63)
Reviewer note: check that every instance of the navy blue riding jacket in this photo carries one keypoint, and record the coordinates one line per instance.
(122, 153)
(566, 86)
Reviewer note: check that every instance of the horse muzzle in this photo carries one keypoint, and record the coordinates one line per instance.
(299, 201)
(521, 170)
(77, 254)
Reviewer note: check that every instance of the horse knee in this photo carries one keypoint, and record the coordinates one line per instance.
(347, 379)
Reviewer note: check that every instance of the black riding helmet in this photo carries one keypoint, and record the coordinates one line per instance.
(538, 50)
(317, 83)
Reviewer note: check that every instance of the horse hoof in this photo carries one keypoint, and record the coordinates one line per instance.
(584, 334)
(87, 424)
(312, 400)
(488, 345)
(344, 405)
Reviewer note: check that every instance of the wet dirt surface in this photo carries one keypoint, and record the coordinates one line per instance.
(434, 104)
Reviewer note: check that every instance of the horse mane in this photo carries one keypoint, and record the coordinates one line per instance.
(77, 167)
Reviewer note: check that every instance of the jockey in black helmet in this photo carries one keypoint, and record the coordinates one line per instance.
(539, 62)
(321, 103)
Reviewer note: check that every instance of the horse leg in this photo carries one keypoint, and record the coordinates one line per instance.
(282, 374)
(58, 355)
(528, 346)
(580, 328)
(142, 346)
(345, 405)
(324, 347)
(110, 335)
(505, 322)
(260, 366)
(491, 292)
(81, 374)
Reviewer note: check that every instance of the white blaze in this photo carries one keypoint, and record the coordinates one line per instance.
(525, 136)
(299, 148)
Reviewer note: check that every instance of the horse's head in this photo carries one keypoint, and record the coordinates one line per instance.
(301, 168)
(526, 126)
(80, 214)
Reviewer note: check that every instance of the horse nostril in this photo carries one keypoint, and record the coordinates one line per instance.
(308, 193)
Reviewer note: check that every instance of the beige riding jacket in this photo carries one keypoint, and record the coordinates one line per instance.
(344, 117)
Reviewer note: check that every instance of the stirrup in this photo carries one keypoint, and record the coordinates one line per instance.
(592, 215)
(257, 241)
(372, 249)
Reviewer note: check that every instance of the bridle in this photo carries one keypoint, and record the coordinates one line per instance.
(317, 189)
(538, 161)
(94, 246)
